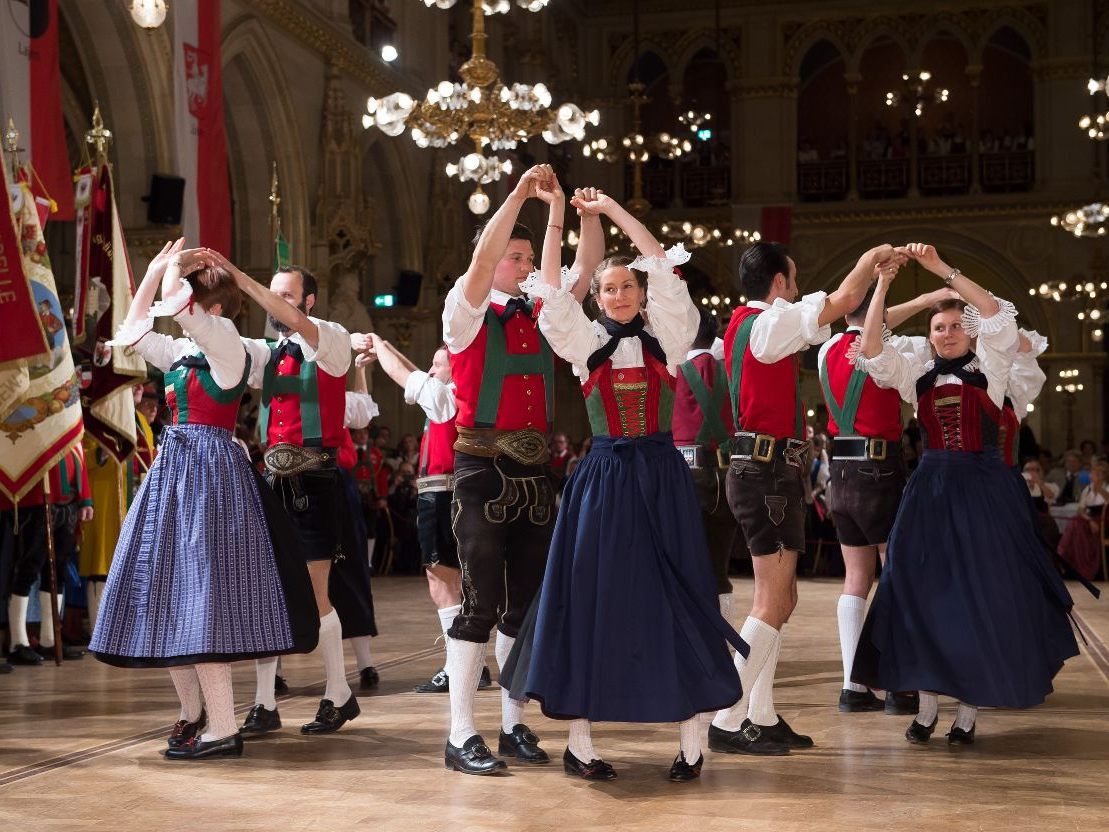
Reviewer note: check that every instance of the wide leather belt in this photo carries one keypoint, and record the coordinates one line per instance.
(864, 448)
(287, 460)
(701, 456)
(437, 482)
(527, 447)
(762, 447)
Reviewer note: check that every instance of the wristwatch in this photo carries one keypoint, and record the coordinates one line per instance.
(951, 275)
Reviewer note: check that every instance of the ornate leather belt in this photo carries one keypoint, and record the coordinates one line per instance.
(762, 447)
(701, 456)
(287, 460)
(527, 447)
(864, 448)
(437, 482)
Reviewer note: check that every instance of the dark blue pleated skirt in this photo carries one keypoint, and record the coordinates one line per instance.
(969, 604)
(627, 627)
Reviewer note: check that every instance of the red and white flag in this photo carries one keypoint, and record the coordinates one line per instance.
(31, 94)
(199, 125)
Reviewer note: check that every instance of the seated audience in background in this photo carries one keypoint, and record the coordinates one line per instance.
(1081, 543)
(1043, 496)
(1069, 478)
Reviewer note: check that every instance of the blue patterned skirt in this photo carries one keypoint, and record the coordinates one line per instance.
(207, 567)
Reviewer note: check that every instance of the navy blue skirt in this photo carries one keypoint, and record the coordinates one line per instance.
(627, 626)
(969, 604)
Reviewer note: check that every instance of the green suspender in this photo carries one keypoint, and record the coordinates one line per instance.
(304, 385)
(739, 348)
(712, 427)
(844, 414)
(500, 363)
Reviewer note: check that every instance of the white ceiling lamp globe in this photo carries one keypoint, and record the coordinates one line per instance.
(150, 14)
(389, 53)
(478, 202)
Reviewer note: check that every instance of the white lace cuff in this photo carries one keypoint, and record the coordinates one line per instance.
(535, 287)
(855, 351)
(175, 304)
(869, 365)
(974, 324)
(130, 334)
(1039, 342)
(676, 255)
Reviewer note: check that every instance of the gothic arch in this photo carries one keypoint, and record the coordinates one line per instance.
(621, 62)
(870, 33)
(394, 201)
(693, 42)
(808, 37)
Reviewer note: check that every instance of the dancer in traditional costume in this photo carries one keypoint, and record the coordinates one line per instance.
(969, 605)
(206, 571)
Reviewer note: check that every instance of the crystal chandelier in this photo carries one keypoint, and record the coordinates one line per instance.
(493, 6)
(1087, 221)
(700, 234)
(150, 14)
(915, 92)
(1095, 125)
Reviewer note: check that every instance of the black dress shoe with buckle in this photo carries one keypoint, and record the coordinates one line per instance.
(855, 702)
(24, 655)
(593, 770)
(486, 680)
(474, 757)
(197, 749)
(260, 720)
(957, 736)
(683, 772)
(749, 739)
(919, 734)
(523, 745)
(439, 683)
(368, 678)
(69, 653)
(280, 685)
(330, 719)
(183, 730)
(902, 704)
(781, 732)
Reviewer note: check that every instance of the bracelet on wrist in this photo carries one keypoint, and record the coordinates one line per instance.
(552, 225)
(951, 275)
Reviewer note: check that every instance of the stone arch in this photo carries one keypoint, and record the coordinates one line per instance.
(944, 27)
(871, 33)
(1030, 30)
(621, 62)
(692, 44)
(808, 37)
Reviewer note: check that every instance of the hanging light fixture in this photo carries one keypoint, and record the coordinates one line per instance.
(1087, 221)
(150, 14)
(917, 93)
(493, 6)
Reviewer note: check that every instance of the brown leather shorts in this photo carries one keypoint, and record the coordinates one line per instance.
(768, 501)
(863, 496)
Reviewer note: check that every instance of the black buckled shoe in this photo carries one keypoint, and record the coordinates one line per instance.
(683, 772)
(486, 680)
(368, 678)
(197, 749)
(183, 730)
(749, 739)
(523, 745)
(902, 704)
(781, 732)
(593, 770)
(919, 734)
(474, 757)
(280, 685)
(856, 702)
(439, 683)
(69, 653)
(957, 736)
(24, 655)
(330, 719)
(260, 720)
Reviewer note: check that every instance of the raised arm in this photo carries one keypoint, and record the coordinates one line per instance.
(968, 290)
(875, 323)
(591, 244)
(897, 315)
(636, 231)
(851, 291)
(550, 193)
(144, 296)
(395, 365)
(274, 305)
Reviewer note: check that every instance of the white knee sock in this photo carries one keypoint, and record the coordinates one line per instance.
(17, 620)
(464, 662)
(265, 674)
(215, 682)
(965, 716)
(46, 620)
(760, 637)
(929, 708)
(851, 612)
(363, 652)
(727, 607)
(580, 741)
(690, 734)
(760, 709)
(331, 646)
(446, 616)
(512, 710)
(93, 592)
(188, 691)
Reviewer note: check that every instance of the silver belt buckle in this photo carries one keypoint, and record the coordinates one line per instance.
(692, 456)
(437, 482)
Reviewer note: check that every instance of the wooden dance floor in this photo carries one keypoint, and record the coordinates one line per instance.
(80, 749)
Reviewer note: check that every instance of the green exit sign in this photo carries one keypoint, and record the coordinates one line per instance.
(381, 301)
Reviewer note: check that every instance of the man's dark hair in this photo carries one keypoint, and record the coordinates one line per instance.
(307, 279)
(857, 316)
(758, 266)
(519, 232)
(706, 330)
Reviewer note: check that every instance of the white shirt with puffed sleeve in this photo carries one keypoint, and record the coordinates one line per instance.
(784, 328)
(435, 398)
(332, 353)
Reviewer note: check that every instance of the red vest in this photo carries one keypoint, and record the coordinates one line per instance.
(1008, 432)
(879, 412)
(959, 417)
(301, 404)
(688, 418)
(194, 398)
(347, 455)
(437, 448)
(768, 401)
(630, 401)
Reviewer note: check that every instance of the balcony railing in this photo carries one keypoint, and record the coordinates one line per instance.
(697, 185)
(818, 181)
(883, 178)
(1007, 171)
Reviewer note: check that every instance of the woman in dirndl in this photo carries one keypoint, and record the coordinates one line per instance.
(969, 604)
(206, 570)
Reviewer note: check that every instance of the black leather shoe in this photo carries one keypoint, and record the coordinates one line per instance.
(69, 653)
(183, 730)
(781, 732)
(957, 736)
(486, 680)
(260, 720)
(5, 668)
(196, 749)
(368, 678)
(330, 719)
(855, 702)
(749, 739)
(280, 685)
(24, 655)
(523, 745)
(439, 683)
(683, 772)
(902, 704)
(919, 734)
(474, 757)
(593, 770)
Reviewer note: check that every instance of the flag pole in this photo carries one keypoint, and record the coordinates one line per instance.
(52, 561)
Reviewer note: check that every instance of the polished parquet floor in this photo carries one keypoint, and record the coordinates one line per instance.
(80, 749)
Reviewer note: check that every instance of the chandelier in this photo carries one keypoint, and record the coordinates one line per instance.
(699, 234)
(493, 6)
(1095, 125)
(1087, 221)
(482, 109)
(915, 92)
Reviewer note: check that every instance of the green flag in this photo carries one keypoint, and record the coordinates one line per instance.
(280, 251)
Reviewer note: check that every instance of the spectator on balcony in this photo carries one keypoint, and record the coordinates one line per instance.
(807, 153)
(988, 142)
(959, 140)
(839, 151)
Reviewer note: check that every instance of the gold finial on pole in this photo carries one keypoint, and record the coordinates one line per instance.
(12, 148)
(275, 200)
(99, 136)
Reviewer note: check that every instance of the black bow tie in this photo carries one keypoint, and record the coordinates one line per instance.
(513, 306)
(288, 347)
(618, 331)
